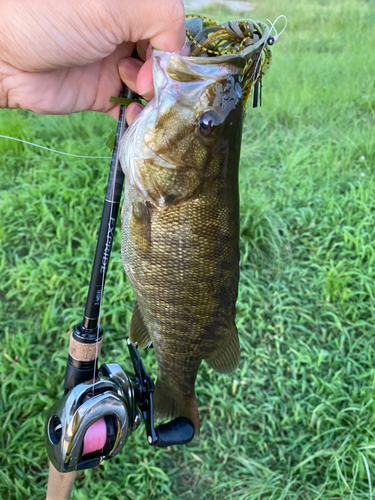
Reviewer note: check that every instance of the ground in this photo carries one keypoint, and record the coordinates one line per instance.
(296, 419)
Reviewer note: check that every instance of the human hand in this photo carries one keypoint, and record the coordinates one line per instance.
(67, 56)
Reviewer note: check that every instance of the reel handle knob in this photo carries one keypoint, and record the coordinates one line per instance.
(177, 431)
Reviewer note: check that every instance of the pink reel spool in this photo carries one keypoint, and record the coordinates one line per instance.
(95, 437)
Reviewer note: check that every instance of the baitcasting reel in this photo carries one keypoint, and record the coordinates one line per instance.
(121, 399)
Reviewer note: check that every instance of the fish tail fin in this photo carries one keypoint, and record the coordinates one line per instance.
(168, 405)
(225, 358)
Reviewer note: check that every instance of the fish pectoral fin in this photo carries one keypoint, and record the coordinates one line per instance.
(138, 332)
(225, 358)
(142, 214)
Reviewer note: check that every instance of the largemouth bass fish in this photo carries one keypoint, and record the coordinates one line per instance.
(180, 223)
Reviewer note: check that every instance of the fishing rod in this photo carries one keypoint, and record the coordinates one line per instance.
(102, 406)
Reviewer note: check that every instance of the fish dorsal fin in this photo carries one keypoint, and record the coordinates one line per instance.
(225, 358)
(138, 332)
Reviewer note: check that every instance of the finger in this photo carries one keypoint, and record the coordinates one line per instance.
(145, 85)
(129, 69)
(132, 111)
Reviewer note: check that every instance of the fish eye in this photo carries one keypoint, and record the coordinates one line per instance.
(208, 122)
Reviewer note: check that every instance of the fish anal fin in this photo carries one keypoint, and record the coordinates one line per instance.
(138, 332)
(225, 358)
(168, 404)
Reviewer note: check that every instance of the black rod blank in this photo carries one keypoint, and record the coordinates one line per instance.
(107, 228)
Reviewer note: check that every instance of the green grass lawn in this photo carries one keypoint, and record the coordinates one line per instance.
(296, 420)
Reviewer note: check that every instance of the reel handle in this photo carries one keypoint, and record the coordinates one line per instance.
(177, 431)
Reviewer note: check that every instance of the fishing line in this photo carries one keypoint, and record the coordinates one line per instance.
(53, 150)
(75, 156)
(90, 437)
(275, 37)
(100, 429)
(96, 435)
(121, 128)
(273, 26)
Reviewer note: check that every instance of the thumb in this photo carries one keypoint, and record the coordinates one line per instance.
(171, 34)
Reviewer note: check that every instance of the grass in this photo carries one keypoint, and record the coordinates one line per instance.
(296, 420)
